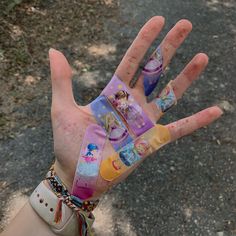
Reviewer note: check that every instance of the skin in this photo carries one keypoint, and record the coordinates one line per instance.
(69, 120)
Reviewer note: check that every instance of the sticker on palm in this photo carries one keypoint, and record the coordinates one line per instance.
(133, 152)
(117, 164)
(115, 130)
(131, 113)
(110, 120)
(88, 165)
(121, 99)
(152, 71)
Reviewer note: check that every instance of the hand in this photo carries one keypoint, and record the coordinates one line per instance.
(70, 120)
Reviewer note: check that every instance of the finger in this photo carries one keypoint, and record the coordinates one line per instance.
(130, 62)
(174, 39)
(181, 128)
(190, 73)
(171, 43)
(188, 125)
(61, 73)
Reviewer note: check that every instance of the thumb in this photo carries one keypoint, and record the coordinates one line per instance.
(61, 73)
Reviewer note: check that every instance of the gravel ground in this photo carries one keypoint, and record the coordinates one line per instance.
(189, 187)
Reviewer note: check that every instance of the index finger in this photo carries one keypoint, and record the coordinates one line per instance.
(130, 62)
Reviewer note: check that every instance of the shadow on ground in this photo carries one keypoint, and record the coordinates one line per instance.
(188, 188)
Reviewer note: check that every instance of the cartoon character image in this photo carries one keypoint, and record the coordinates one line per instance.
(152, 71)
(133, 152)
(154, 65)
(131, 113)
(128, 154)
(166, 99)
(141, 147)
(114, 129)
(89, 165)
(90, 155)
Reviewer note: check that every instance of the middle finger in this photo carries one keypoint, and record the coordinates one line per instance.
(170, 44)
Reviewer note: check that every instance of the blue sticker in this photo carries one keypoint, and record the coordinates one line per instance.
(166, 99)
(108, 118)
(134, 151)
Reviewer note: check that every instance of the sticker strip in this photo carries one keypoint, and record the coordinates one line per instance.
(149, 142)
(152, 71)
(120, 98)
(88, 165)
(108, 118)
(166, 99)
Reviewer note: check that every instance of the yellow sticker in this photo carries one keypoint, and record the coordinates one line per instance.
(152, 140)
(112, 167)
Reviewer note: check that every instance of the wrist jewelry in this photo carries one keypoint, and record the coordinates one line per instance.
(67, 215)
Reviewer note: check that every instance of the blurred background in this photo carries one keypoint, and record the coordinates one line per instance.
(189, 187)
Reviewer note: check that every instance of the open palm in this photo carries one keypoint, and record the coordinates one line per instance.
(71, 120)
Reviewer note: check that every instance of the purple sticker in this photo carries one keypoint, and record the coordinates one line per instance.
(108, 118)
(152, 71)
(88, 165)
(121, 99)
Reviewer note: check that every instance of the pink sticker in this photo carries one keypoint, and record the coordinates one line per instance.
(88, 165)
(119, 96)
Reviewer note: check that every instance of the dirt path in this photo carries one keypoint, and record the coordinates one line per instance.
(188, 188)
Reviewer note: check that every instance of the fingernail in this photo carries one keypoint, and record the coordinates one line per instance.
(51, 50)
(216, 111)
(221, 111)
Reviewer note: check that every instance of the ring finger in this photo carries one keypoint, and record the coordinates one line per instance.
(179, 85)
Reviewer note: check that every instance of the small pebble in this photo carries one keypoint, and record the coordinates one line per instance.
(225, 105)
(220, 233)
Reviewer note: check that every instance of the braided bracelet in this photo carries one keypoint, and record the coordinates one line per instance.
(61, 192)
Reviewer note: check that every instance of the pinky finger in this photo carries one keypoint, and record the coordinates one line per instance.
(189, 124)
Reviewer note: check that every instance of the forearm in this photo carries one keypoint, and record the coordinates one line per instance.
(51, 211)
(27, 222)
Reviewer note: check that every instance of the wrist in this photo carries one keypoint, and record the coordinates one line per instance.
(65, 214)
(65, 177)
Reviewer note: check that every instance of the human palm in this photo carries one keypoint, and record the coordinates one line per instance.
(71, 120)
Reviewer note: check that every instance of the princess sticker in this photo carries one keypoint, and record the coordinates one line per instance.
(120, 98)
(154, 64)
(114, 129)
(166, 99)
(108, 118)
(152, 71)
(130, 112)
(142, 147)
